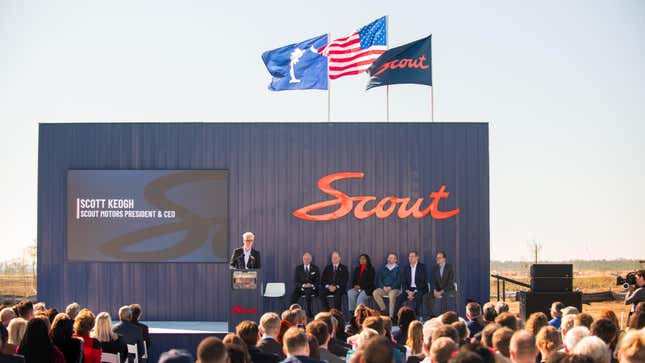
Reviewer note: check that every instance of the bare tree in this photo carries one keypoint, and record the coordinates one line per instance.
(535, 247)
(32, 251)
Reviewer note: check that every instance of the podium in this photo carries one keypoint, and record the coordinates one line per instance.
(245, 297)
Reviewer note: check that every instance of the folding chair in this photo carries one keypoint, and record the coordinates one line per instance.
(132, 350)
(275, 289)
(110, 358)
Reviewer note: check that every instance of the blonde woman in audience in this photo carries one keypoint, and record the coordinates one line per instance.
(414, 343)
(548, 341)
(110, 341)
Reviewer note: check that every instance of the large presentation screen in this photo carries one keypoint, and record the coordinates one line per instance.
(147, 215)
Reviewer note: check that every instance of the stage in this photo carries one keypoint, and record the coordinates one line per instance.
(166, 335)
(149, 213)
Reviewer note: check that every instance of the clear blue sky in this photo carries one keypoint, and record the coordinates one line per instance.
(562, 84)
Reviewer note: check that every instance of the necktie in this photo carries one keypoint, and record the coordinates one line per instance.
(334, 275)
(307, 269)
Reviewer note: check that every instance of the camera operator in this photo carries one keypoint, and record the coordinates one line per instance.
(636, 292)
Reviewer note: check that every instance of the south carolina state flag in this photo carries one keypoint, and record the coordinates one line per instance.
(409, 63)
(297, 66)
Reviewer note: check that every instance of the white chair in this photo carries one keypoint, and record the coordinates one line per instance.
(132, 349)
(110, 358)
(275, 289)
(144, 356)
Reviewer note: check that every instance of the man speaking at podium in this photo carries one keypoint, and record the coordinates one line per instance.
(246, 258)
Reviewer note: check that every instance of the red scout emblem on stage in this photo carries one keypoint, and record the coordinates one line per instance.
(238, 309)
(383, 209)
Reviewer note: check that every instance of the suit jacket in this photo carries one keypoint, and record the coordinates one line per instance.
(237, 259)
(338, 347)
(257, 356)
(367, 282)
(271, 346)
(146, 332)
(11, 358)
(329, 356)
(116, 346)
(445, 283)
(342, 275)
(130, 333)
(420, 278)
(313, 277)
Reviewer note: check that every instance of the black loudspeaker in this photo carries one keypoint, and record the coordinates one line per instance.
(551, 284)
(531, 302)
(551, 270)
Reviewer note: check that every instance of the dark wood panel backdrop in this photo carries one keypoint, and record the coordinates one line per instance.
(274, 168)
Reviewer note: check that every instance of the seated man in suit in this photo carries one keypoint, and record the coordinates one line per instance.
(130, 332)
(246, 257)
(307, 279)
(443, 285)
(250, 333)
(414, 284)
(334, 281)
(269, 329)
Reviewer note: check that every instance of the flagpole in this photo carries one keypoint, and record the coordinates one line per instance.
(387, 87)
(328, 84)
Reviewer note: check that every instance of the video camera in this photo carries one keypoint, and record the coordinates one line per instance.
(630, 279)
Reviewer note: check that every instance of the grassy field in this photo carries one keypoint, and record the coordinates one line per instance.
(587, 281)
(17, 285)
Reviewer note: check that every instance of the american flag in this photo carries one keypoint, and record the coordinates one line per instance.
(356, 52)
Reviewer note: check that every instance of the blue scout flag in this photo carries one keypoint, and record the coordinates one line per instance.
(297, 66)
(409, 63)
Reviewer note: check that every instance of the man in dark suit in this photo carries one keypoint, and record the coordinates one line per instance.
(334, 281)
(415, 284)
(246, 257)
(319, 329)
(130, 333)
(136, 316)
(296, 347)
(250, 333)
(269, 329)
(443, 284)
(335, 346)
(307, 279)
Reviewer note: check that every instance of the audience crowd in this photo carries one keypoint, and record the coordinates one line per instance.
(486, 334)
(34, 334)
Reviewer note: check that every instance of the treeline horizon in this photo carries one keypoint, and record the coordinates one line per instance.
(622, 264)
